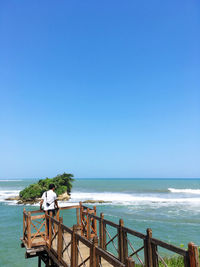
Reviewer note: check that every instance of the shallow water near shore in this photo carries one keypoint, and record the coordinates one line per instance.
(171, 207)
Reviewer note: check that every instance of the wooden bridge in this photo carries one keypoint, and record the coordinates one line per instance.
(95, 242)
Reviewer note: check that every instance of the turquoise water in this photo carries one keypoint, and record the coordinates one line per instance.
(171, 207)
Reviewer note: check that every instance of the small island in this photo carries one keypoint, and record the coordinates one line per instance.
(33, 192)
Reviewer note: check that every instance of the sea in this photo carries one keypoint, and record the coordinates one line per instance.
(170, 207)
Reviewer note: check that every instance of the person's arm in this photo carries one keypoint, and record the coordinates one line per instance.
(41, 202)
(56, 204)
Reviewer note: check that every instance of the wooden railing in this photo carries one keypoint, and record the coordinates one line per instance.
(34, 227)
(103, 241)
(88, 223)
(72, 249)
(118, 240)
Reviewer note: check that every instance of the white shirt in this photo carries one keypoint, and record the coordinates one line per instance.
(49, 197)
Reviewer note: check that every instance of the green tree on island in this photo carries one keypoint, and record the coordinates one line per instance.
(63, 183)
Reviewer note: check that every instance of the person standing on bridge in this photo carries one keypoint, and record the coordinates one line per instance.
(49, 202)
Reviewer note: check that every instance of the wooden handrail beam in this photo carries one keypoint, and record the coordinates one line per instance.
(94, 216)
(109, 258)
(84, 240)
(69, 207)
(170, 247)
(135, 233)
(111, 223)
(37, 217)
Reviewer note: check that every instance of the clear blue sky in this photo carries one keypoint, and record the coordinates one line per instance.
(100, 88)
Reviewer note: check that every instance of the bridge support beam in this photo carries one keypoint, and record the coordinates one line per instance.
(39, 261)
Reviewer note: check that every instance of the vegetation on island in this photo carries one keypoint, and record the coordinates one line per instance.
(63, 183)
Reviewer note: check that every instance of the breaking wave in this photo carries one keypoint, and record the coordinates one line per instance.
(131, 199)
(4, 194)
(119, 198)
(185, 191)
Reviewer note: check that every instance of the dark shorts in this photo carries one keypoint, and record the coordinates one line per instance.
(53, 212)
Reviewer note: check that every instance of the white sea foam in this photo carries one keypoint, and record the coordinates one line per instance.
(130, 199)
(4, 194)
(185, 191)
(115, 198)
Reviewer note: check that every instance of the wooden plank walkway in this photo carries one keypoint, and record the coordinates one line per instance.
(56, 244)
(84, 252)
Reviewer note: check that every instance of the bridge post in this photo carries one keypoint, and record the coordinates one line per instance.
(46, 225)
(39, 261)
(60, 239)
(102, 231)
(50, 229)
(24, 223)
(95, 221)
(193, 255)
(130, 262)
(29, 229)
(120, 241)
(125, 244)
(77, 216)
(93, 257)
(57, 214)
(88, 225)
(81, 218)
(148, 249)
(74, 248)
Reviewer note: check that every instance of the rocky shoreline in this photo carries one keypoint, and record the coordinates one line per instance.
(96, 201)
(63, 197)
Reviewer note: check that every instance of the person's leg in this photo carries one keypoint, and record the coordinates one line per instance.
(51, 214)
(54, 213)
